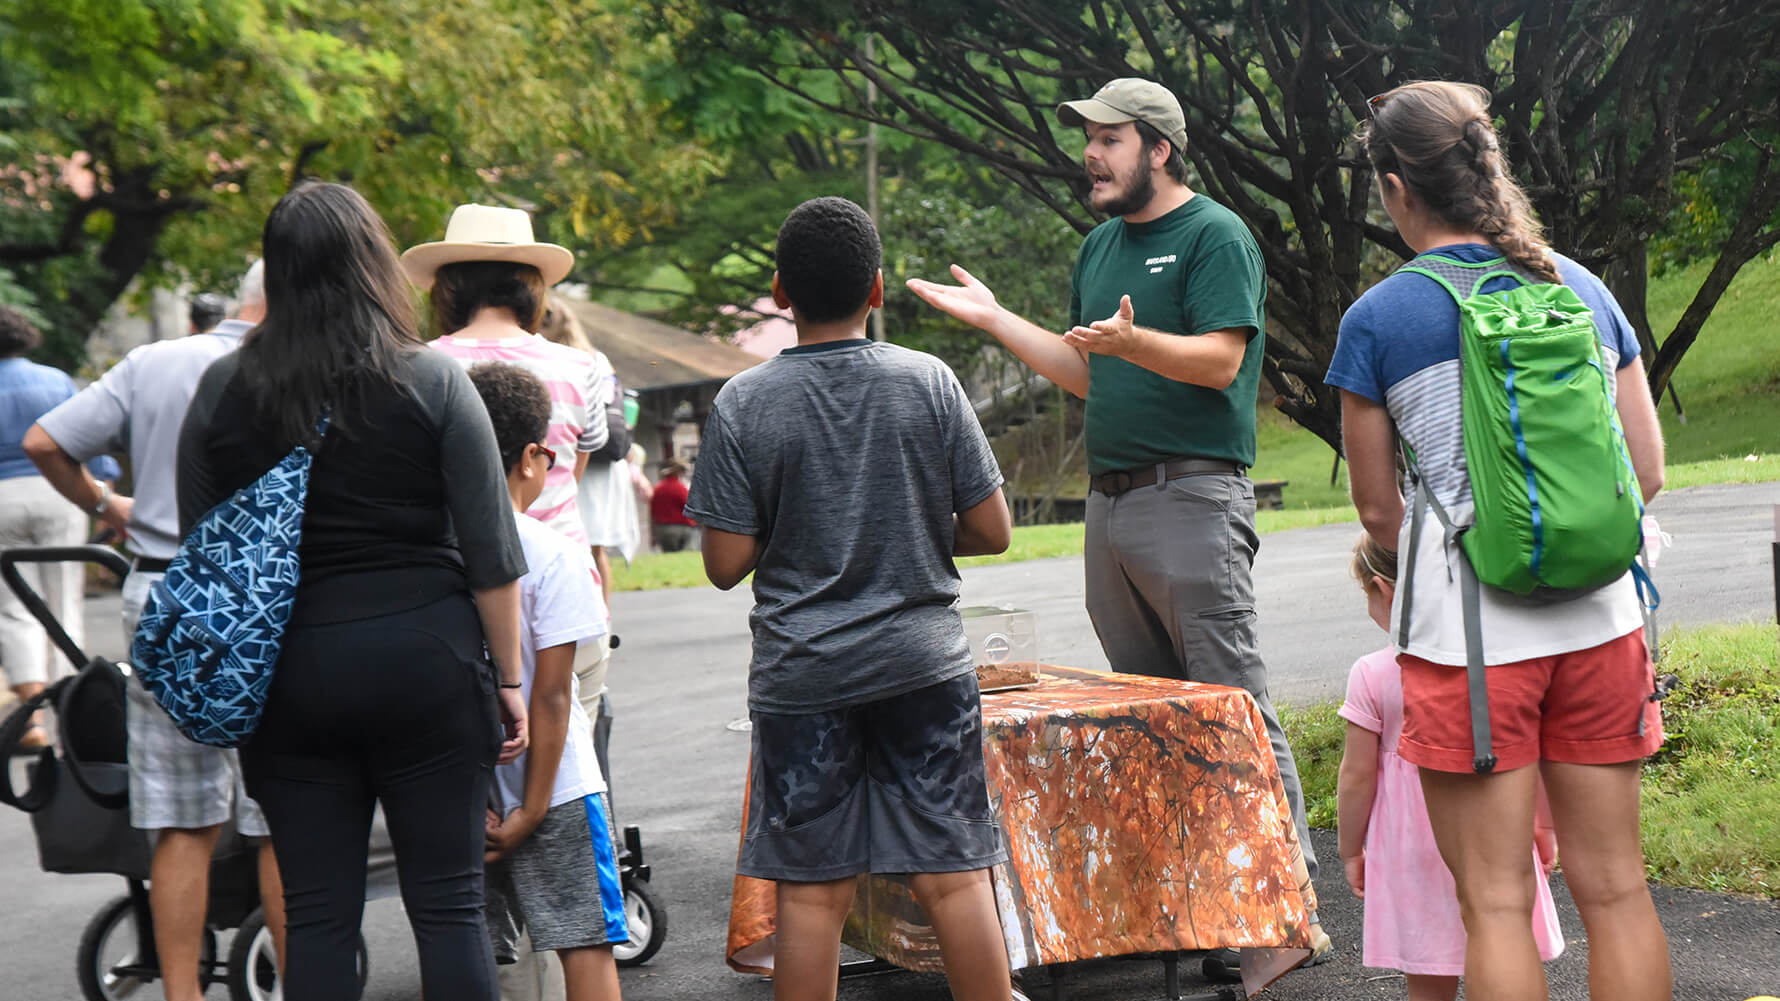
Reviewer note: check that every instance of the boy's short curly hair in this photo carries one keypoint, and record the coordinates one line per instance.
(518, 405)
(17, 335)
(828, 256)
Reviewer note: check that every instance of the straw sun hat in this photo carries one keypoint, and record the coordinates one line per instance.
(487, 233)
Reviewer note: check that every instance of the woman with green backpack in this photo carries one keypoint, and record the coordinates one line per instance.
(1505, 376)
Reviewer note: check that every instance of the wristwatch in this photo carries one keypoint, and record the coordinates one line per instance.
(104, 501)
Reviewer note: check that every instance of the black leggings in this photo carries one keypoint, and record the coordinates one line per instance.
(398, 709)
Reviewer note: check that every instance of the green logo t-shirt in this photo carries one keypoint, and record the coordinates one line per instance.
(1192, 271)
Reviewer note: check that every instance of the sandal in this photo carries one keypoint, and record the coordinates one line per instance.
(1322, 949)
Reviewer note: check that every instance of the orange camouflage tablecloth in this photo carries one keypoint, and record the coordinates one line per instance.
(1141, 815)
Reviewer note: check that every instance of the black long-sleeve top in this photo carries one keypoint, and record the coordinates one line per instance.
(410, 508)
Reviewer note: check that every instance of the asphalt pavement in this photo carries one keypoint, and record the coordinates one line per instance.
(680, 677)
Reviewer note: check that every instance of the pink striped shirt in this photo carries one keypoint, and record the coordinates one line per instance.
(578, 398)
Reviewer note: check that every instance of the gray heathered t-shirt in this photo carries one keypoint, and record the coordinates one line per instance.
(848, 460)
(137, 408)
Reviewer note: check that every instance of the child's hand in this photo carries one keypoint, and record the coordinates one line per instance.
(1545, 839)
(513, 723)
(1355, 867)
(500, 837)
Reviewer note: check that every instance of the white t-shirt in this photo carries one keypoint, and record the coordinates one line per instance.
(1514, 628)
(559, 602)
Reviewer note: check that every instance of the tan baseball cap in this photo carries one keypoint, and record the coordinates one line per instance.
(1129, 99)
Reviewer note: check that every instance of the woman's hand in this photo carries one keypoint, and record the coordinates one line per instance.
(512, 703)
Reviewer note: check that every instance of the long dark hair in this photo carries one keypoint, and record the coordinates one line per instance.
(338, 312)
(1438, 138)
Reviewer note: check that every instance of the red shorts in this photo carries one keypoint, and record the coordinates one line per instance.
(1583, 707)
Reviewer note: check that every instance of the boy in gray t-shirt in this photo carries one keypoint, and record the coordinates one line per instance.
(847, 474)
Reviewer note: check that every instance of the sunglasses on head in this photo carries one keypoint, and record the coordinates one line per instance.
(1375, 102)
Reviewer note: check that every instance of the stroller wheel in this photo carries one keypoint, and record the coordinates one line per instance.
(253, 962)
(646, 921)
(109, 963)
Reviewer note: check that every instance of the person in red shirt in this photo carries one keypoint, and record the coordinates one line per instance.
(667, 509)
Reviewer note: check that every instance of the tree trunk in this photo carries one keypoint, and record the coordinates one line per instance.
(1628, 278)
(1748, 238)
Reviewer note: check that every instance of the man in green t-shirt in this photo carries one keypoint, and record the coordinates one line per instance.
(1169, 365)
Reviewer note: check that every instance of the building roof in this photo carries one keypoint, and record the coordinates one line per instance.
(649, 355)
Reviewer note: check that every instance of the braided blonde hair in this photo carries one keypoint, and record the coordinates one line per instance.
(1438, 138)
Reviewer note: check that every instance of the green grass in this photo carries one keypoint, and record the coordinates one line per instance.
(1711, 804)
(654, 571)
(1712, 794)
(1729, 381)
(1317, 736)
(1285, 451)
(1762, 469)
(1035, 542)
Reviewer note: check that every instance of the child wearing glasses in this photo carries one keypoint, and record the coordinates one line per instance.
(551, 867)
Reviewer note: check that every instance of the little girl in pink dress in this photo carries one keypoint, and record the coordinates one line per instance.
(1387, 845)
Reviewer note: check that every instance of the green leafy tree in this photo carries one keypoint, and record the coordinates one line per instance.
(150, 137)
(778, 148)
(1604, 105)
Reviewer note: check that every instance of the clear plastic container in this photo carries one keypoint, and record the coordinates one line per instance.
(1004, 643)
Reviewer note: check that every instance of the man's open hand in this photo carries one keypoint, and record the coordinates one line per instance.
(1116, 335)
(970, 300)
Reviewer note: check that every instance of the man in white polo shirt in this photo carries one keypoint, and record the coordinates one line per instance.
(180, 791)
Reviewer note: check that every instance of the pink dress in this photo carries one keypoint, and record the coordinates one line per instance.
(1412, 907)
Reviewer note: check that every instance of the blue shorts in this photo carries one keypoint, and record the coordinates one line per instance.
(561, 884)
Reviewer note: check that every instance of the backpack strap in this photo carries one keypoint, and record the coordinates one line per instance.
(1460, 279)
(43, 776)
(1476, 679)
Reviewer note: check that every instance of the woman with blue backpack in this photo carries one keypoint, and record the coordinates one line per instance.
(381, 688)
(1505, 378)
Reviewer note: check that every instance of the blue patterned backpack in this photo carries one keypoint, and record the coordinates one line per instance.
(210, 632)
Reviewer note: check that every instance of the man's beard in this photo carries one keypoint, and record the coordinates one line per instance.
(1139, 187)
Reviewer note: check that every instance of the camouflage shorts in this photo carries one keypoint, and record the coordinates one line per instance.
(893, 786)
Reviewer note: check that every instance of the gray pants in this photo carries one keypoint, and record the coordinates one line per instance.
(1170, 595)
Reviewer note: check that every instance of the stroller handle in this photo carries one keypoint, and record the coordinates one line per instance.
(105, 556)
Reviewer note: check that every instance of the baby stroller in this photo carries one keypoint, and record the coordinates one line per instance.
(646, 919)
(77, 797)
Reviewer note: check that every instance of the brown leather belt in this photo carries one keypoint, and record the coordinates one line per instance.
(1120, 480)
